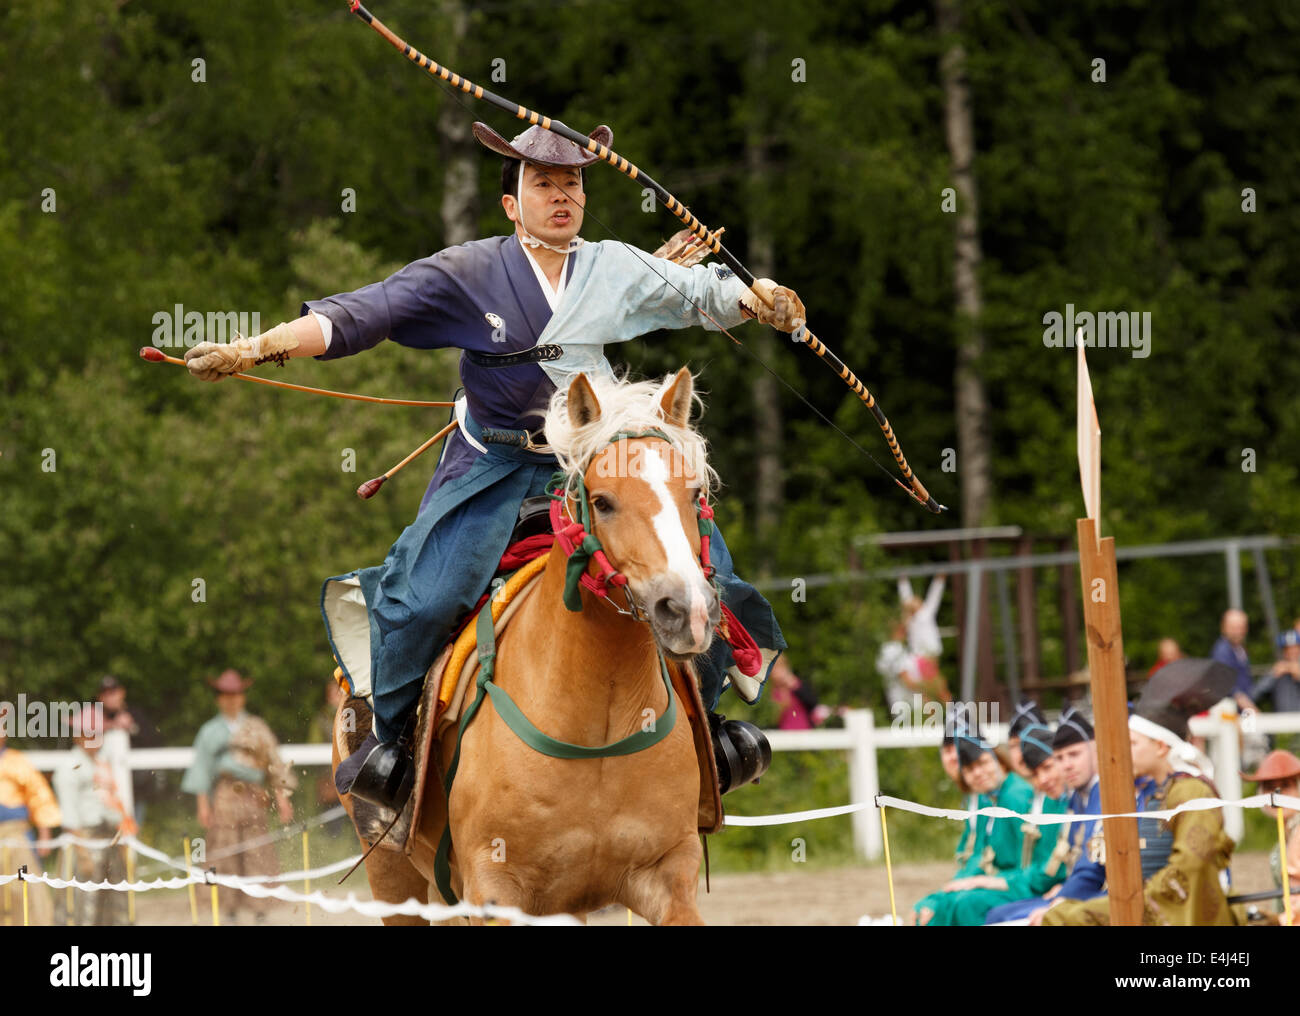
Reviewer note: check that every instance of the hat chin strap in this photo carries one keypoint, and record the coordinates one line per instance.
(528, 239)
(1183, 757)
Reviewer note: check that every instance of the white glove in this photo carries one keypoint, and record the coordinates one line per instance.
(212, 361)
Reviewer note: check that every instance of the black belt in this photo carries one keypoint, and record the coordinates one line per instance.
(538, 354)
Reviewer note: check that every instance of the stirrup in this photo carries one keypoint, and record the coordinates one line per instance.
(386, 776)
(742, 750)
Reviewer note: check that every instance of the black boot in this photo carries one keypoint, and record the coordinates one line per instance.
(385, 775)
(743, 753)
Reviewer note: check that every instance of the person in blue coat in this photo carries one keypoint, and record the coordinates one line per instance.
(530, 311)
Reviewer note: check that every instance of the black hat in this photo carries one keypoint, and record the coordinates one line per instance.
(1180, 690)
(958, 716)
(1035, 744)
(1026, 713)
(1074, 728)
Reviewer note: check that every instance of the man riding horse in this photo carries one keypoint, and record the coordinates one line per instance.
(530, 311)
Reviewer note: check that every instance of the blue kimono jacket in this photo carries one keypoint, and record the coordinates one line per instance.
(386, 624)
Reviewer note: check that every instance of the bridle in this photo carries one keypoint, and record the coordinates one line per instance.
(581, 546)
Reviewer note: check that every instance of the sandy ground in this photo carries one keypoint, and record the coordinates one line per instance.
(812, 897)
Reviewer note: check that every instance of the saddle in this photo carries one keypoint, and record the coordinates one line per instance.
(452, 673)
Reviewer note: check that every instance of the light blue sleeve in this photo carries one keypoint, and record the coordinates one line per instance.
(618, 292)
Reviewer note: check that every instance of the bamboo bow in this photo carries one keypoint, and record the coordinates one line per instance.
(915, 489)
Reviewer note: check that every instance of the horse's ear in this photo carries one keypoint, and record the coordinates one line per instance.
(583, 407)
(675, 403)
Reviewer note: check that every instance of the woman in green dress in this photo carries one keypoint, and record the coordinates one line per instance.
(996, 846)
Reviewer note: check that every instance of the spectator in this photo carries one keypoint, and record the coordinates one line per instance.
(1166, 652)
(129, 728)
(1026, 713)
(1230, 650)
(997, 844)
(87, 791)
(922, 617)
(1280, 773)
(1041, 854)
(800, 709)
(1080, 851)
(906, 674)
(236, 758)
(1182, 858)
(26, 800)
(1282, 683)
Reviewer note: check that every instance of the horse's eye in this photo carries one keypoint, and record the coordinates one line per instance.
(602, 504)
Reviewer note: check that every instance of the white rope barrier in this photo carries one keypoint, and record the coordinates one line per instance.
(1199, 804)
(367, 908)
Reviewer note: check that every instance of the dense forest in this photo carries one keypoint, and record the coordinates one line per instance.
(934, 179)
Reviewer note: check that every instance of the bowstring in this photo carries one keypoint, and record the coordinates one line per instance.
(456, 97)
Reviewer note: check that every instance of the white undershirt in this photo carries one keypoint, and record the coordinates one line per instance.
(552, 295)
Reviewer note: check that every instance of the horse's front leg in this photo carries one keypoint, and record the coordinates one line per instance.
(666, 892)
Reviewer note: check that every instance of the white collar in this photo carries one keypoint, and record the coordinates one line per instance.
(552, 295)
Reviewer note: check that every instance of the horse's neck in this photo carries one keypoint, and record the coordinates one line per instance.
(596, 653)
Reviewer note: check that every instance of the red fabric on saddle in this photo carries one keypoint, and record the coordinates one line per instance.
(516, 556)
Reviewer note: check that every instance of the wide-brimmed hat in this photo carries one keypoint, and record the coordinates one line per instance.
(230, 683)
(1277, 765)
(543, 147)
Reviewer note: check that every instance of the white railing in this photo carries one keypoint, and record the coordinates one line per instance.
(861, 739)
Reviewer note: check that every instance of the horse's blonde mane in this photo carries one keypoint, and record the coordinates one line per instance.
(624, 406)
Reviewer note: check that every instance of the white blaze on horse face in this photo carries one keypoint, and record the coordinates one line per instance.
(677, 548)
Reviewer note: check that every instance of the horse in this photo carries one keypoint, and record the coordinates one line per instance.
(572, 835)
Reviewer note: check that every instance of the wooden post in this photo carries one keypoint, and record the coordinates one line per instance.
(1110, 718)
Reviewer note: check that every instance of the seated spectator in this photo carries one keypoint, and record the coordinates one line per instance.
(1041, 864)
(995, 849)
(1078, 846)
(1026, 713)
(800, 709)
(1182, 858)
(1282, 683)
(1167, 651)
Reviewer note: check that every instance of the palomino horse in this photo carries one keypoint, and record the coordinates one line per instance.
(571, 835)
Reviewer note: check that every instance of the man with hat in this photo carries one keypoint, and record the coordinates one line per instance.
(92, 810)
(1279, 773)
(1182, 857)
(530, 311)
(1077, 846)
(236, 766)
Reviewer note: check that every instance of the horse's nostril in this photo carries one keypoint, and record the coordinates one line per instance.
(669, 611)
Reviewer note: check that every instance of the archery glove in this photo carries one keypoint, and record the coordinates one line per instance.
(212, 361)
(781, 308)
